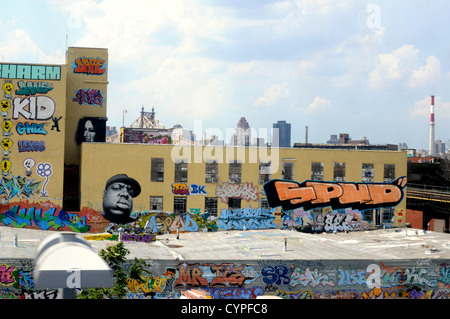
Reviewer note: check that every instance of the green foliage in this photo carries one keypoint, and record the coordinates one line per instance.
(115, 256)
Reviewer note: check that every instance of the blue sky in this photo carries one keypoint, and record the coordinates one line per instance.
(366, 68)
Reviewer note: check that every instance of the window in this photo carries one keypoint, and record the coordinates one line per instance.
(263, 203)
(288, 170)
(179, 204)
(367, 173)
(388, 215)
(234, 203)
(181, 172)
(264, 172)
(156, 203)
(339, 172)
(317, 171)
(212, 172)
(234, 174)
(211, 205)
(389, 173)
(157, 170)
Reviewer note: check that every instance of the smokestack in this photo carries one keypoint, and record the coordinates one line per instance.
(431, 146)
(306, 135)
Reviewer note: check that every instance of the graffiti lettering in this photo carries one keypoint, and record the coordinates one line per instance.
(89, 96)
(180, 189)
(138, 238)
(16, 186)
(246, 191)
(52, 218)
(247, 218)
(30, 128)
(93, 66)
(275, 275)
(31, 146)
(311, 278)
(30, 72)
(290, 195)
(39, 108)
(6, 274)
(198, 189)
(184, 189)
(31, 88)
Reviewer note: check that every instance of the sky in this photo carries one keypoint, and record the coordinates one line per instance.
(366, 68)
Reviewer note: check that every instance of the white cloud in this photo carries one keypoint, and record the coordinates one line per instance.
(19, 47)
(319, 104)
(394, 66)
(429, 74)
(272, 95)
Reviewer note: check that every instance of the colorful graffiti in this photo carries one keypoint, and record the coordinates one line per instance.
(289, 279)
(310, 194)
(50, 219)
(161, 223)
(16, 186)
(30, 72)
(246, 219)
(90, 66)
(30, 128)
(32, 88)
(184, 189)
(31, 146)
(246, 191)
(89, 97)
(328, 221)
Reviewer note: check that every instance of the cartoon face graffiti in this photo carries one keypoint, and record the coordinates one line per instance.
(118, 198)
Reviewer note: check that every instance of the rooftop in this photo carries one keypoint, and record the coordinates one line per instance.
(384, 244)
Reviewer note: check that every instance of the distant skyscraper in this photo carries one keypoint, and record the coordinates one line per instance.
(283, 135)
(242, 136)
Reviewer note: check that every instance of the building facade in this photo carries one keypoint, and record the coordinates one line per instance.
(223, 181)
(56, 165)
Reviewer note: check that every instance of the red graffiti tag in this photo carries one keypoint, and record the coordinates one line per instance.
(89, 66)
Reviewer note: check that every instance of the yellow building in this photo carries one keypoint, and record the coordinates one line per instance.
(215, 179)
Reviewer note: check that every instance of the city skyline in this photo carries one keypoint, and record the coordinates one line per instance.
(365, 68)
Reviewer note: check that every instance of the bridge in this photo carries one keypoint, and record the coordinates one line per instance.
(433, 201)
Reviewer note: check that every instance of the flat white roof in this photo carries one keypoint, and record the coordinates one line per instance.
(404, 243)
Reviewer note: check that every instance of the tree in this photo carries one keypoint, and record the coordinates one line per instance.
(115, 256)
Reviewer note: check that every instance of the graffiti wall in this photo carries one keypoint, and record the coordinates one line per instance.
(32, 132)
(289, 279)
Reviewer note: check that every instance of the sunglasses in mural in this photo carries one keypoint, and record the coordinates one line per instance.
(338, 195)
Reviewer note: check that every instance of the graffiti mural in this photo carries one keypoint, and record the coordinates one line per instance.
(89, 97)
(89, 66)
(289, 279)
(310, 194)
(246, 191)
(30, 72)
(246, 218)
(32, 88)
(16, 186)
(184, 189)
(50, 219)
(327, 220)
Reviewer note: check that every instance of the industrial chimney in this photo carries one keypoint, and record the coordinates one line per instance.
(432, 126)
